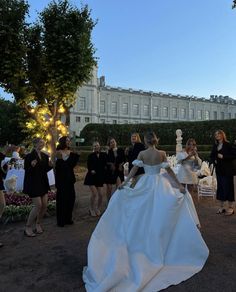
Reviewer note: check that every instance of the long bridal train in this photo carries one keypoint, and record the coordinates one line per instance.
(147, 239)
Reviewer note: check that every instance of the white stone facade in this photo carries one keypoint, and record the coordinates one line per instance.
(98, 103)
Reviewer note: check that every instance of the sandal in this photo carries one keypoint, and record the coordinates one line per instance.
(29, 234)
(98, 212)
(221, 211)
(229, 212)
(38, 229)
(92, 213)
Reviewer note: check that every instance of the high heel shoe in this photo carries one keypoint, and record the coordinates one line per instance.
(92, 213)
(38, 229)
(29, 234)
(229, 212)
(98, 212)
(221, 211)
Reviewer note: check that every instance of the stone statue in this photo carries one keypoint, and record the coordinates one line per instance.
(179, 141)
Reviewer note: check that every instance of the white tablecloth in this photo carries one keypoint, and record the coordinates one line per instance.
(20, 174)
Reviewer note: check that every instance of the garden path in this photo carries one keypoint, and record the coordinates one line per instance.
(54, 260)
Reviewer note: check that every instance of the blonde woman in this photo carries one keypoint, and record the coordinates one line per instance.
(222, 155)
(36, 185)
(188, 160)
(95, 178)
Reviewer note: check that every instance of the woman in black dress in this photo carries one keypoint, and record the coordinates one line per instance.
(132, 153)
(66, 160)
(115, 162)
(221, 156)
(36, 185)
(95, 177)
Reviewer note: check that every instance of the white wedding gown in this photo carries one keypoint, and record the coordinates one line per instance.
(147, 238)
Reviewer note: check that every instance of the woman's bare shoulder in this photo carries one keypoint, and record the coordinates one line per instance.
(162, 152)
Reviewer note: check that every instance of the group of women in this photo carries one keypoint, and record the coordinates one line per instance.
(107, 168)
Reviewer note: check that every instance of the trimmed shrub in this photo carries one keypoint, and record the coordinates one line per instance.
(203, 132)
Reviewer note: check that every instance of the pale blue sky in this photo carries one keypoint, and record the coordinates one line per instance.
(175, 46)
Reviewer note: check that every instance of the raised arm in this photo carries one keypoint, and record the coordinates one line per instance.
(172, 174)
(132, 173)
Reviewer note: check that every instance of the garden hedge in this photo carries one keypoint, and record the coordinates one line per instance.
(203, 132)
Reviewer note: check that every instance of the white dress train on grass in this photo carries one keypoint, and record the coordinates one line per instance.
(147, 238)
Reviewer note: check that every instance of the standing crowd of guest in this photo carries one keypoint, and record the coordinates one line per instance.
(107, 168)
(105, 173)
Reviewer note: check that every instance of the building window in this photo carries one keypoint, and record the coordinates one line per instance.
(174, 112)
(222, 115)
(125, 108)
(229, 115)
(114, 122)
(165, 112)
(136, 109)
(215, 115)
(199, 114)
(82, 103)
(146, 110)
(77, 119)
(207, 115)
(183, 113)
(102, 106)
(191, 114)
(155, 111)
(87, 119)
(114, 107)
(102, 121)
(125, 122)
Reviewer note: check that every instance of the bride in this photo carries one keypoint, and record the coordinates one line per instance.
(148, 238)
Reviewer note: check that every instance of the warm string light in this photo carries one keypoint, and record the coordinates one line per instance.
(44, 122)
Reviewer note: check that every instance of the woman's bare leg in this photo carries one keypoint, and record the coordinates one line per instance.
(93, 197)
(37, 205)
(44, 201)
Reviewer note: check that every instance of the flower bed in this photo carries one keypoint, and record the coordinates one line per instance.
(18, 206)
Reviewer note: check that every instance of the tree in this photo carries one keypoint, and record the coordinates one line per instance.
(234, 4)
(42, 64)
(12, 121)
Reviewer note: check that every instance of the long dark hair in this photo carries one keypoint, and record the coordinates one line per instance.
(62, 143)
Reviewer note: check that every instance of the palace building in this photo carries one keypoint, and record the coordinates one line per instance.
(99, 103)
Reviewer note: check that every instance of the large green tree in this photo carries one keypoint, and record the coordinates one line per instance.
(43, 63)
(12, 121)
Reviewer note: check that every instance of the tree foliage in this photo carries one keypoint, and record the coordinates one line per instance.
(12, 121)
(42, 64)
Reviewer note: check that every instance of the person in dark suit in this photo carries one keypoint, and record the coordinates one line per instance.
(221, 156)
(133, 151)
(95, 177)
(36, 185)
(115, 162)
(66, 160)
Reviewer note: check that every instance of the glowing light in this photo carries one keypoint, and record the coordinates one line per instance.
(61, 109)
(49, 137)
